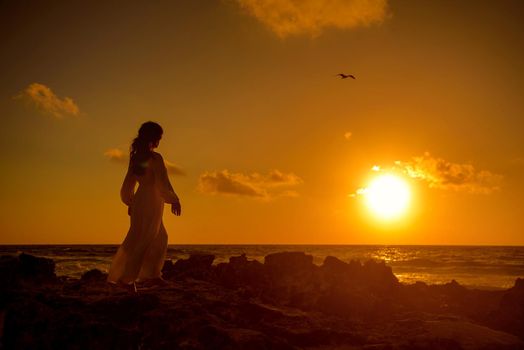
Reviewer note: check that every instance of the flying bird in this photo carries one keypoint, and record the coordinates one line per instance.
(345, 76)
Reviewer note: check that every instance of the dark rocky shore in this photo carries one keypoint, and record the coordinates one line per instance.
(286, 302)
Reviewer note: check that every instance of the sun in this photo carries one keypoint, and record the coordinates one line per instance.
(388, 197)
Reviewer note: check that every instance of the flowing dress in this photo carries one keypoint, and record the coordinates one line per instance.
(141, 255)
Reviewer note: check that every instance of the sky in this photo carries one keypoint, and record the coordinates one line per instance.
(263, 142)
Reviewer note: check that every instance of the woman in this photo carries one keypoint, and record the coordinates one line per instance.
(142, 254)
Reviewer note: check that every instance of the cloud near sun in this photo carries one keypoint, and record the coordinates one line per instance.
(442, 174)
(255, 185)
(295, 17)
(48, 103)
(118, 156)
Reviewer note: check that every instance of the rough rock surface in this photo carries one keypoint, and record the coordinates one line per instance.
(286, 302)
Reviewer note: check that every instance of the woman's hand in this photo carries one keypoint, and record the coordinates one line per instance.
(176, 208)
(129, 206)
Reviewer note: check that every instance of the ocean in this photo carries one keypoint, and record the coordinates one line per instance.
(483, 267)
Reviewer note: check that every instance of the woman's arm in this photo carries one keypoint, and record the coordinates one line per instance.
(127, 191)
(162, 181)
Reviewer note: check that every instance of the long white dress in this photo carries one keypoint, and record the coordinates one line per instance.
(141, 255)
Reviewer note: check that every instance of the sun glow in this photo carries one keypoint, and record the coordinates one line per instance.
(388, 197)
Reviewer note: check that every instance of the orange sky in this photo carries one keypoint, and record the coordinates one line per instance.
(247, 95)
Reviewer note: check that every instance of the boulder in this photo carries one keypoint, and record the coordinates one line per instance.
(242, 273)
(293, 279)
(289, 262)
(94, 275)
(372, 274)
(199, 266)
(26, 268)
(509, 316)
(379, 276)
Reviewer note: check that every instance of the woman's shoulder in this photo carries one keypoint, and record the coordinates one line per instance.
(156, 156)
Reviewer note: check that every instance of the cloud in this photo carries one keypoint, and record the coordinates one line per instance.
(442, 174)
(517, 161)
(45, 100)
(116, 155)
(263, 186)
(311, 17)
(348, 135)
(119, 156)
(174, 169)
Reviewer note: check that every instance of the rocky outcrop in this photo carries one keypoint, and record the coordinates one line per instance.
(26, 268)
(287, 302)
(197, 266)
(244, 274)
(94, 275)
(509, 315)
(291, 279)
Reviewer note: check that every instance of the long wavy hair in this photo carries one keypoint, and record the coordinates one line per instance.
(149, 132)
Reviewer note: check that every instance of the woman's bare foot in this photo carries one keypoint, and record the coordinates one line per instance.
(130, 287)
(156, 282)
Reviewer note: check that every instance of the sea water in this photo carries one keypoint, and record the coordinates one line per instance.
(485, 267)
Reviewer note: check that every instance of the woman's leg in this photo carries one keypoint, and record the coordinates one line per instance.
(154, 257)
(131, 255)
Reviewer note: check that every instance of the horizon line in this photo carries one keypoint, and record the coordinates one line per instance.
(275, 244)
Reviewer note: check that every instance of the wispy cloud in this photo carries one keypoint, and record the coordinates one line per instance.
(119, 156)
(116, 155)
(443, 174)
(256, 185)
(311, 17)
(517, 161)
(348, 135)
(47, 102)
(174, 169)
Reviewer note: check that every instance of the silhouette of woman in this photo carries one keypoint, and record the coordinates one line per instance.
(141, 255)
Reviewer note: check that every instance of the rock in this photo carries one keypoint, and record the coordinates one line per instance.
(469, 336)
(36, 269)
(289, 262)
(32, 324)
(9, 271)
(94, 275)
(124, 309)
(242, 273)
(285, 303)
(198, 266)
(26, 269)
(379, 276)
(509, 316)
(168, 267)
(371, 274)
(335, 271)
(292, 278)
(238, 260)
(336, 266)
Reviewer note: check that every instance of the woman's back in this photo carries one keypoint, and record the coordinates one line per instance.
(148, 178)
(155, 177)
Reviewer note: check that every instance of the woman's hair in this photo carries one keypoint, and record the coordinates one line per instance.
(149, 132)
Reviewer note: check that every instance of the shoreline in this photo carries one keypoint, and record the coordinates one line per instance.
(287, 302)
(488, 268)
